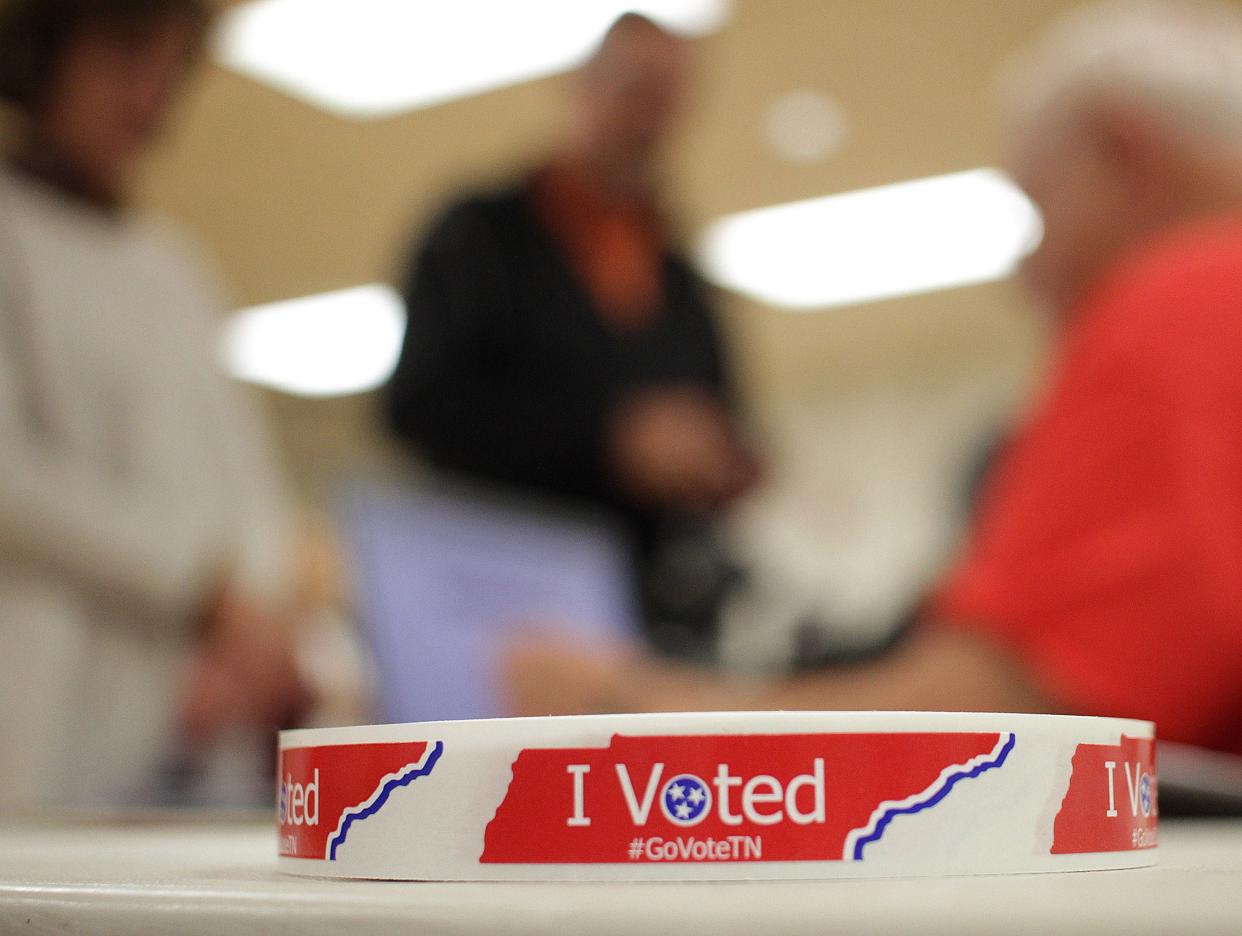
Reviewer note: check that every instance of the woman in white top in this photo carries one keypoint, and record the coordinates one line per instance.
(142, 529)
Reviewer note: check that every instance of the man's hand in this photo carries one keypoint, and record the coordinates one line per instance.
(677, 448)
(543, 675)
(242, 671)
(546, 675)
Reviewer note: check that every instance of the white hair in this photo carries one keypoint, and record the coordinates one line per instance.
(1180, 63)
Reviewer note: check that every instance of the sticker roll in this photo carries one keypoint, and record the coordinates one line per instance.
(728, 796)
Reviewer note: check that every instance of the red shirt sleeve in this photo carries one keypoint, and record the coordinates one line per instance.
(1108, 548)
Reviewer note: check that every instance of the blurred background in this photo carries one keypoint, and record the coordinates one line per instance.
(829, 175)
(871, 413)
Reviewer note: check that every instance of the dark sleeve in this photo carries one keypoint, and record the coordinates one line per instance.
(459, 394)
(713, 359)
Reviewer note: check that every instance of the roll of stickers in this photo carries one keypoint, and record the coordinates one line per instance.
(718, 797)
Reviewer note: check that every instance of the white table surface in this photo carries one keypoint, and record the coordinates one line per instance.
(197, 878)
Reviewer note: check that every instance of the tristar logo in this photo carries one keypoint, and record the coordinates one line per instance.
(729, 798)
(1111, 802)
(323, 791)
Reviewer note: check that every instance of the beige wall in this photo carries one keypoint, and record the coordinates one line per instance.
(292, 200)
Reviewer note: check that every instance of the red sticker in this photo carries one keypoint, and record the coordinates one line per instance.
(323, 791)
(1110, 804)
(813, 797)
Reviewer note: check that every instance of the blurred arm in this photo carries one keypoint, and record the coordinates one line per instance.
(73, 516)
(698, 297)
(256, 519)
(937, 668)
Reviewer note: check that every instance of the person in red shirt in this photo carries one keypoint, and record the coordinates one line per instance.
(1104, 572)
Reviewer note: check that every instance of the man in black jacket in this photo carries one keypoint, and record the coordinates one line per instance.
(558, 344)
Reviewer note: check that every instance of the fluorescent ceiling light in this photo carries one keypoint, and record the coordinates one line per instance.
(368, 58)
(912, 237)
(330, 344)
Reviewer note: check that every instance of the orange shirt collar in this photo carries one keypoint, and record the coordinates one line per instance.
(616, 247)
